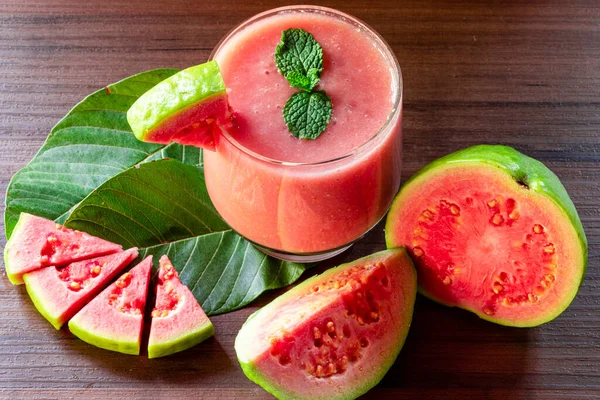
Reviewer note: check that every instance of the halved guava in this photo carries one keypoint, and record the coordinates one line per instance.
(335, 335)
(58, 293)
(37, 242)
(178, 321)
(494, 232)
(114, 319)
(187, 108)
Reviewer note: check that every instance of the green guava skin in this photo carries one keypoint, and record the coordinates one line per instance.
(409, 278)
(113, 343)
(183, 342)
(523, 169)
(38, 302)
(174, 94)
(15, 279)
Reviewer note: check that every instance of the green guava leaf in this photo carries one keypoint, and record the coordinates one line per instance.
(307, 114)
(305, 82)
(90, 145)
(299, 58)
(163, 207)
(224, 271)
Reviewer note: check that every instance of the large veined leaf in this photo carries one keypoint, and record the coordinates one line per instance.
(90, 145)
(94, 174)
(163, 207)
(156, 203)
(224, 271)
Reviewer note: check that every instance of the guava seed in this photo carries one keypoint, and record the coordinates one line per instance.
(417, 251)
(95, 270)
(316, 333)
(330, 326)
(454, 209)
(532, 297)
(497, 219)
(497, 287)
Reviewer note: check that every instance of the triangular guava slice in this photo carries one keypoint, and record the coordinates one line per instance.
(114, 319)
(178, 321)
(37, 242)
(187, 108)
(335, 335)
(60, 292)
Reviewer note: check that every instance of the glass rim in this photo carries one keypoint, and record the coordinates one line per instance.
(388, 52)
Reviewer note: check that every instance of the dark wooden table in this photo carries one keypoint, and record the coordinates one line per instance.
(525, 74)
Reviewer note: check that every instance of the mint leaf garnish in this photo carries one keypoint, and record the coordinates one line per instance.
(299, 58)
(307, 114)
(297, 80)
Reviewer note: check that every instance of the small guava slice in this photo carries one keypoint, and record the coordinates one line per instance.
(494, 232)
(58, 293)
(114, 319)
(335, 335)
(37, 242)
(187, 108)
(178, 321)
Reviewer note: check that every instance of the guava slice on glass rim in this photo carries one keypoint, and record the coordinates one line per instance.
(188, 108)
(114, 319)
(492, 231)
(335, 335)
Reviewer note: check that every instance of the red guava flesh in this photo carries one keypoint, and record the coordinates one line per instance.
(197, 125)
(178, 321)
(484, 242)
(37, 242)
(114, 319)
(60, 292)
(335, 335)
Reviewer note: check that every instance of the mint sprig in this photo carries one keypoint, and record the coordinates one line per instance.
(299, 58)
(307, 114)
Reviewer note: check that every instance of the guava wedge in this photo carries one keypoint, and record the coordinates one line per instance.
(187, 108)
(58, 293)
(114, 319)
(37, 242)
(335, 335)
(178, 321)
(492, 231)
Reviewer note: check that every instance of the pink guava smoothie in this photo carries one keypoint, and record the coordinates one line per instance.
(307, 196)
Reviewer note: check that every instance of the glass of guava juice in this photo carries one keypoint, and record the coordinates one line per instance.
(296, 199)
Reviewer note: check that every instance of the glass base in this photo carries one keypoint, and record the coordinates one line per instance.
(307, 258)
(303, 258)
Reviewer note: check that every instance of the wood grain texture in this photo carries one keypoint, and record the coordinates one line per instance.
(525, 74)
